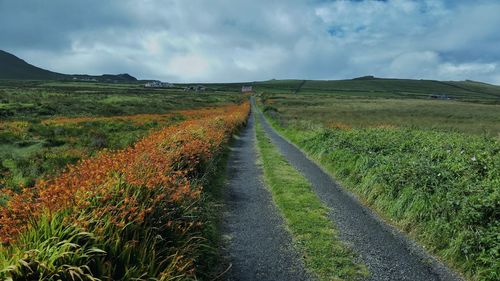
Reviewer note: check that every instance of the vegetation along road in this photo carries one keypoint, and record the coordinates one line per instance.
(99, 172)
(387, 253)
(258, 247)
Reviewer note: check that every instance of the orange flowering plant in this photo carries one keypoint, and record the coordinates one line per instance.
(141, 200)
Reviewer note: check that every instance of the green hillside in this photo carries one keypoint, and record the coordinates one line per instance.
(12, 67)
(387, 88)
(371, 87)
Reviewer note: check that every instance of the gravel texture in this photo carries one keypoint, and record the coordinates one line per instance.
(388, 254)
(258, 247)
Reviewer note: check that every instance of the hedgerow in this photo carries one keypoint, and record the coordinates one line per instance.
(135, 213)
(442, 187)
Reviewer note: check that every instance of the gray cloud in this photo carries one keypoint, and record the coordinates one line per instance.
(224, 40)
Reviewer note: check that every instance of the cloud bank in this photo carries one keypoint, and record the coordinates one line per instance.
(223, 40)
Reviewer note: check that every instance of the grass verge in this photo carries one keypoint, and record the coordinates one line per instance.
(306, 218)
(439, 187)
(212, 264)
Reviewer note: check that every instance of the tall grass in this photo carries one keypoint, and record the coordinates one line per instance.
(330, 110)
(443, 188)
(134, 214)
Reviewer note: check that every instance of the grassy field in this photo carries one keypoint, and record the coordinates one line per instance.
(424, 154)
(387, 88)
(89, 194)
(333, 111)
(90, 178)
(429, 166)
(468, 107)
(46, 125)
(34, 100)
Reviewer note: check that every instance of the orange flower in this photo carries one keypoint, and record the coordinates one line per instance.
(166, 161)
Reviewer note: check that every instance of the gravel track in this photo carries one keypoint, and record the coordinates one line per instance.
(388, 254)
(256, 243)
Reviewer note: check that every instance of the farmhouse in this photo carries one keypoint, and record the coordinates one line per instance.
(440, 97)
(195, 88)
(86, 79)
(246, 89)
(158, 84)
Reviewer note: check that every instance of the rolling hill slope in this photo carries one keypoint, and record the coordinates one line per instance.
(372, 87)
(14, 68)
(387, 88)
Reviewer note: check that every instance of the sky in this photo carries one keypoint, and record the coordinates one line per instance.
(233, 40)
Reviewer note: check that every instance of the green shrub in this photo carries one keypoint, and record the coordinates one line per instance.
(53, 250)
(442, 187)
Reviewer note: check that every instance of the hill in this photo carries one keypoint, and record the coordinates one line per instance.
(14, 68)
(373, 87)
(370, 86)
(113, 78)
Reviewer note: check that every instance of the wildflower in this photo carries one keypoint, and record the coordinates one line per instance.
(91, 183)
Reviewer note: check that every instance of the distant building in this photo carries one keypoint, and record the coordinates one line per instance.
(440, 97)
(158, 84)
(195, 88)
(86, 79)
(246, 89)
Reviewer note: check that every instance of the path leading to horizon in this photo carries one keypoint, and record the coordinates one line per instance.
(257, 245)
(260, 248)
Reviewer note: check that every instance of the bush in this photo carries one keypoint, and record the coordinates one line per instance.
(53, 250)
(443, 187)
(142, 207)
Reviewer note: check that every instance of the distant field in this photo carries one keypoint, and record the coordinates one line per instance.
(28, 100)
(332, 111)
(468, 107)
(428, 164)
(46, 125)
(387, 88)
(111, 181)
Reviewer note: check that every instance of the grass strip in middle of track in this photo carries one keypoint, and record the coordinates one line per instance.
(313, 233)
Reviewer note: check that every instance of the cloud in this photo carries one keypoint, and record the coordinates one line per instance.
(224, 40)
(189, 66)
(420, 64)
(466, 69)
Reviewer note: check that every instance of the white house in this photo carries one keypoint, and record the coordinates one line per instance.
(195, 88)
(246, 89)
(158, 84)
